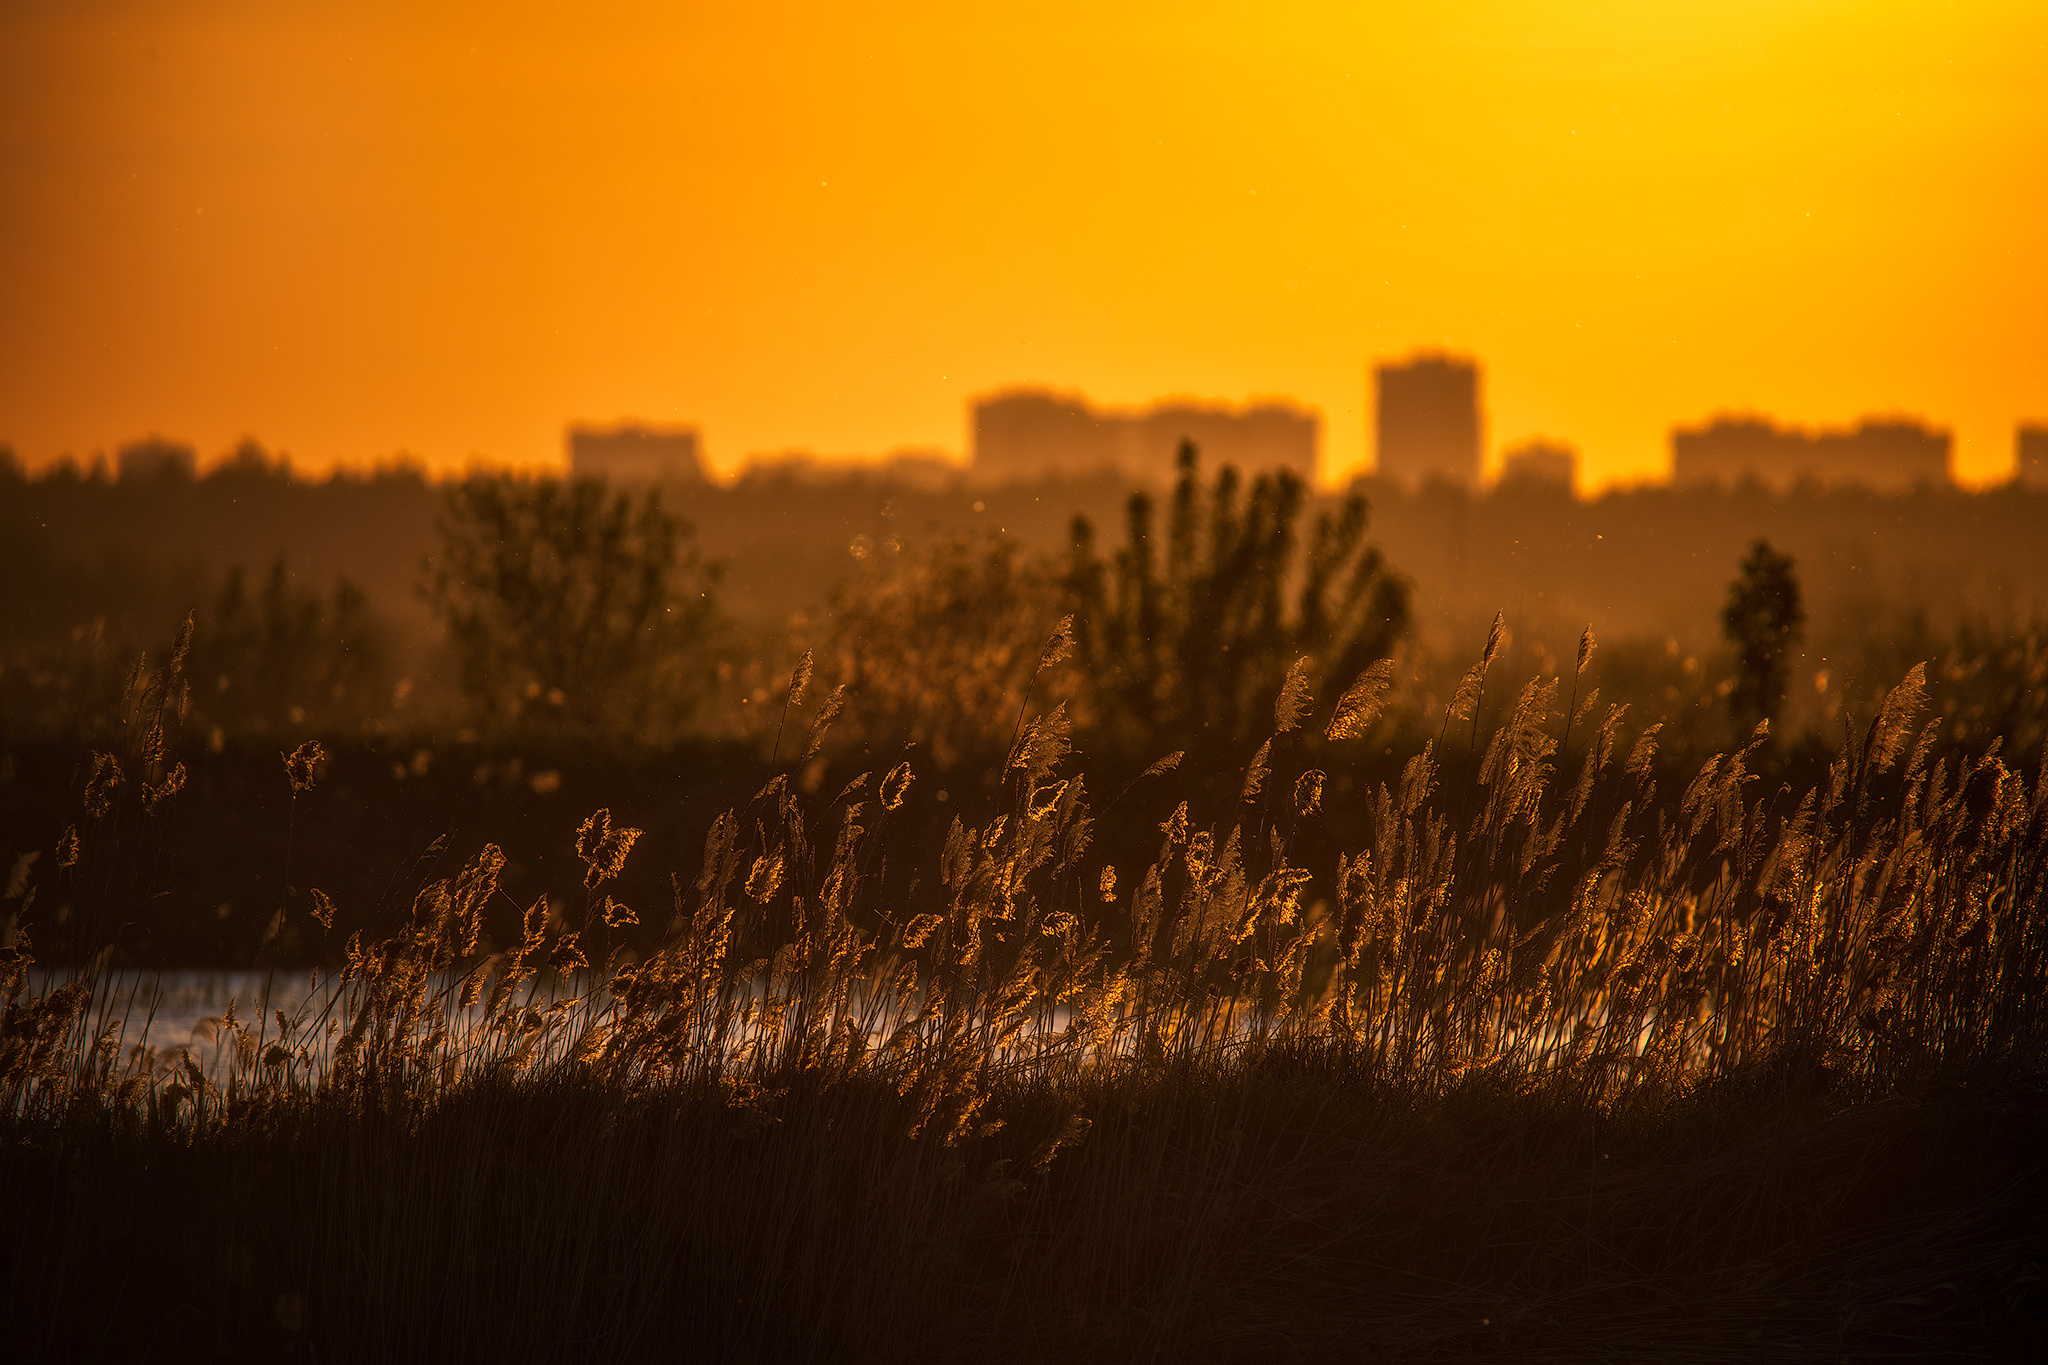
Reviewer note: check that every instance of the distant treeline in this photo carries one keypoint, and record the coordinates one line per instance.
(313, 596)
(138, 549)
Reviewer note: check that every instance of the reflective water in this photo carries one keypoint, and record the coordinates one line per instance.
(172, 1010)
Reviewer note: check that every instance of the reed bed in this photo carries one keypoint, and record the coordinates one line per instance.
(1553, 1065)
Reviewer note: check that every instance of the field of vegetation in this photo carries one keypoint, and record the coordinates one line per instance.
(1158, 977)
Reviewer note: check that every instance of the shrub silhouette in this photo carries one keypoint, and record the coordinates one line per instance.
(565, 600)
(938, 647)
(286, 654)
(1763, 620)
(1186, 649)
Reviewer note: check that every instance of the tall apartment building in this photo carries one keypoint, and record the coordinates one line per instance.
(1889, 454)
(1024, 434)
(1540, 465)
(1426, 423)
(634, 454)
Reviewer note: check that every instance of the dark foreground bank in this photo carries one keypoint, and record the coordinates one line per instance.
(1275, 1208)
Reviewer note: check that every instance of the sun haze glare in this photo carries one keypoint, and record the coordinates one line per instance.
(354, 230)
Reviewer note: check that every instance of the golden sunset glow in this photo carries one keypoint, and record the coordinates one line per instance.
(351, 230)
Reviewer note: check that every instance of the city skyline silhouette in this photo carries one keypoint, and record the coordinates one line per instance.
(351, 233)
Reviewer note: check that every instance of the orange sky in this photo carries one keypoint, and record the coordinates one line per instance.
(350, 231)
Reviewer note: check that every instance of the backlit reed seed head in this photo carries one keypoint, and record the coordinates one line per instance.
(1294, 700)
(568, 954)
(15, 958)
(173, 783)
(1642, 759)
(1466, 697)
(153, 743)
(1105, 885)
(1886, 741)
(827, 713)
(1165, 765)
(301, 765)
(617, 916)
(602, 848)
(1362, 702)
(799, 679)
(766, 877)
(895, 785)
(1046, 800)
(67, 848)
(1495, 638)
(834, 896)
(1043, 744)
(323, 908)
(1255, 772)
(534, 925)
(1308, 792)
(183, 646)
(1059, 645)
(100, 784)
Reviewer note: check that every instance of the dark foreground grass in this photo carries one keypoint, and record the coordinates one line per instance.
(1272, 1209)
(1544, 1071)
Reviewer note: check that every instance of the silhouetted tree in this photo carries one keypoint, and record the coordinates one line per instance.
(938, 647)
(569, 604)
(1763, 620)
(1186, 649)
(289, 655)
